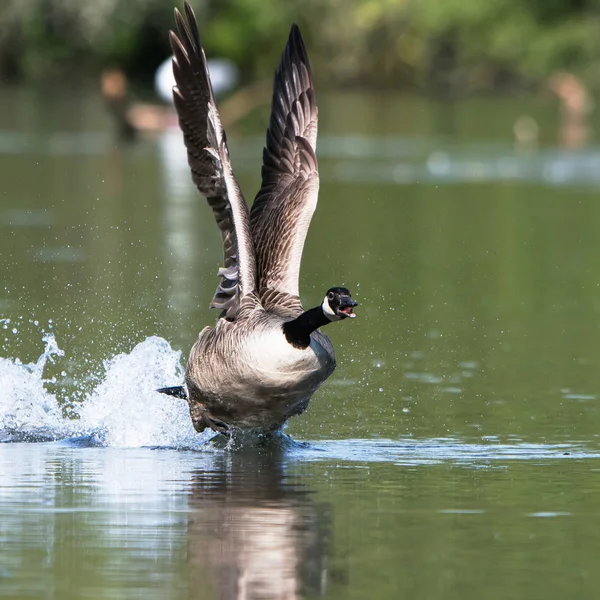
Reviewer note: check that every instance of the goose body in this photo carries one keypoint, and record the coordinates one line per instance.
(265, 357)
(266, 379)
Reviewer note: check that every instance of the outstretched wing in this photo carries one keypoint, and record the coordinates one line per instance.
(284, 206)
(208, 158)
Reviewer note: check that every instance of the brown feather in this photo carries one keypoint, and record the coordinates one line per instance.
(284, 206)
(208, 157)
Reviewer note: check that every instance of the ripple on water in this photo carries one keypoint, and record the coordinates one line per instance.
(432, 451)
(19, 217)
(399, 160)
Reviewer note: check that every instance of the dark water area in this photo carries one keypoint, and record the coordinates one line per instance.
(454, 452)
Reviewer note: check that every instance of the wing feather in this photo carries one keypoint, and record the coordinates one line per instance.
(208, 157)
(284, 206)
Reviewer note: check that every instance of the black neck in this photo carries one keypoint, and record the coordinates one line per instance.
(297, 332)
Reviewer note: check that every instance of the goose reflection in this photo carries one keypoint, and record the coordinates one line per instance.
(254, 533)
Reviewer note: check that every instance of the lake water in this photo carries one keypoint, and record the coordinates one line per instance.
(453, 454)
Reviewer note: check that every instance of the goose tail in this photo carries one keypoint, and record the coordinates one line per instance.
(177, 390)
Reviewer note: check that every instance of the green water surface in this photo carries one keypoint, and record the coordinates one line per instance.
(453, 454)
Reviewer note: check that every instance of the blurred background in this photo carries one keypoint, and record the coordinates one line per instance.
(453, 46)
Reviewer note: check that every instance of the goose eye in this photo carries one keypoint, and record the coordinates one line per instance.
(330, 296)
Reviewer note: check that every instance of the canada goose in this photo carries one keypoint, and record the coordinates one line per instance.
(576, 106)
(132, 118)
(265, 357)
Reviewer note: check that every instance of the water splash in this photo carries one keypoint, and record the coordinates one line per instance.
(123, 410)
(27, 410)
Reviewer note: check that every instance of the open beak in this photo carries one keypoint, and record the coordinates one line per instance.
(346, 307)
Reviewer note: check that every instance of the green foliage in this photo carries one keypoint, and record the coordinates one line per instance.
(460, 44)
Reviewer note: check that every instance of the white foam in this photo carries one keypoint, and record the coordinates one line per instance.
(123, 410)
(27, 410)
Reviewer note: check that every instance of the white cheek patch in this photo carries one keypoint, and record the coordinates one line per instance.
(328, 312)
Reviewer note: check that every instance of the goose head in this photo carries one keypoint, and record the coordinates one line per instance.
(338, 304)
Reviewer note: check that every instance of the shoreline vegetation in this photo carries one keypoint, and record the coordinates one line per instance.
(443, 47)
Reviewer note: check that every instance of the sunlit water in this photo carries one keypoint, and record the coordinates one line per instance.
(453, 454)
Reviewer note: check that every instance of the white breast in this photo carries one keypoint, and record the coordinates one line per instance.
(269, 354)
